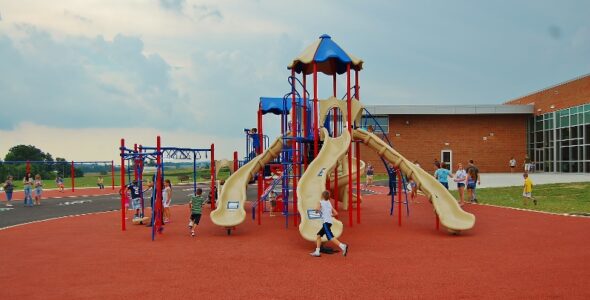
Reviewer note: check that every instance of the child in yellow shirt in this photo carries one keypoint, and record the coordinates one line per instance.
(527, 193)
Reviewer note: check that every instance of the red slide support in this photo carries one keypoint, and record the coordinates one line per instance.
(122, 185)
(73, 174)
(113, 174)
(399, 197)
(349, 128)
(213, 179)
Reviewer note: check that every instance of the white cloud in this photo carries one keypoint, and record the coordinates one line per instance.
(103, 143)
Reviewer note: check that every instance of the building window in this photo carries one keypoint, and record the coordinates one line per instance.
(380, 124)
(564, 147)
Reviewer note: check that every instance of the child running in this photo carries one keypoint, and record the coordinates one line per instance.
(327, 212)
(413, 189)
(59, 182)
(195, 205)
(528, 190)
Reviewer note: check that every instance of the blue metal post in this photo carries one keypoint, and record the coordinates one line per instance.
(194, 173)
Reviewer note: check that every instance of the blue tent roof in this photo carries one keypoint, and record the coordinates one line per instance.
(275, 105)
(328, 56)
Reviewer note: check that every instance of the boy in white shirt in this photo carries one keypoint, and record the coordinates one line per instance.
(327, 211)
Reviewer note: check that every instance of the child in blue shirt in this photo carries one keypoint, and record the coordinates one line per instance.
(443, 174)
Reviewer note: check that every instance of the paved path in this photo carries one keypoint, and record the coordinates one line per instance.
(85, 200)
(515, 179)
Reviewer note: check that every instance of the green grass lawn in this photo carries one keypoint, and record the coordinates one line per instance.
(571, 198)
(90, 179)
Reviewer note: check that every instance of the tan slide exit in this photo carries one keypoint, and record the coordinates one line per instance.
(313, 183)
(450, 213)
(230, 209)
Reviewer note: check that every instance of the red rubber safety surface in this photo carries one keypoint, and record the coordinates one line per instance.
(509, 254)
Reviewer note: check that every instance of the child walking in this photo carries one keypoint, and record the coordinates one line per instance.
(167, 199)
(195, 206)
(28, 188)
(528, 190)
(38, 189)
(8, 189)
(327, 212)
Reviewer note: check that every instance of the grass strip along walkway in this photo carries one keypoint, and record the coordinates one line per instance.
(569, 198)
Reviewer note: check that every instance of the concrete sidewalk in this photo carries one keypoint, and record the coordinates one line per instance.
(515, 179)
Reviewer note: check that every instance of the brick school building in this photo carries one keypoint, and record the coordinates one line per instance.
(551, 126)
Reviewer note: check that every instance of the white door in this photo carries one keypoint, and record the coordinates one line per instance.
(446, 156)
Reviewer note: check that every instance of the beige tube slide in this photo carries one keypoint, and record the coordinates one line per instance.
(230, 209)
(450, 213)
(313, 183)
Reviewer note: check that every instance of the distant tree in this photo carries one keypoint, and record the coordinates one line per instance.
(27, 152)
(150, 163)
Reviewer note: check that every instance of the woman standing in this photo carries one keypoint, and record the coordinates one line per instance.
(460, 178)
(166, 199)
(38, 189)
(8, 189)
(28, 187)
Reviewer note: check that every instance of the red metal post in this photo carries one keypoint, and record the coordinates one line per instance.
(349, 127)
(113, 174)
(358, 155)
(123, 210)
(236, 162)
(356, 85)
(159, 221)
(334, 85)
(399, 197)
(296, 149)
(140, 174)
(135, 163)
(304, 146)
(335, 133)
(73, 174)
(437, 220)
(213, 177)
(358, 182)
(260, 185)
(315, 110)
(295, 144)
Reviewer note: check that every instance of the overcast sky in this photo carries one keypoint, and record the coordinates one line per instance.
(76, 76)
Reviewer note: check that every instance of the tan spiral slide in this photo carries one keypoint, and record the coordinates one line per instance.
(450, 213)
(230, 209)
(313, 183)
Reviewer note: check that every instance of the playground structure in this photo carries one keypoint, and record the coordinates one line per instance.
(137, 157)
(308, 169)
(71, 164)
